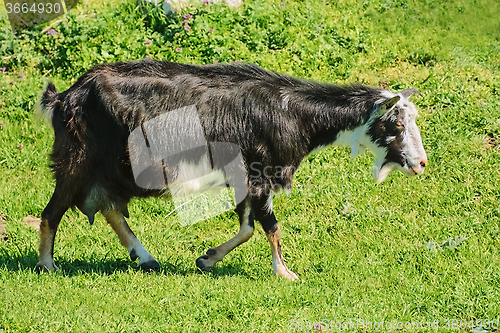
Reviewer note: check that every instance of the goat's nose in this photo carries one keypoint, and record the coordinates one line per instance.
(423, 163)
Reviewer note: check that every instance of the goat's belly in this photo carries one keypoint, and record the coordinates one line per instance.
(189, 178)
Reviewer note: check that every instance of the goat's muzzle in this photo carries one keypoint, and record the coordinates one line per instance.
(418, 169)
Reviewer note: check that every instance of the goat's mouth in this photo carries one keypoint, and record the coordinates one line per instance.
(414, 169)
(381, 173)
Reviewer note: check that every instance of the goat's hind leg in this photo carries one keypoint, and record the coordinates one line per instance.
(51, 216)
(127, 238)
(216, 254)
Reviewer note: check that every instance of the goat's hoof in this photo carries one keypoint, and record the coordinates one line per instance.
(203, 263)
(287, 274)
(151, 265)
(44, 268)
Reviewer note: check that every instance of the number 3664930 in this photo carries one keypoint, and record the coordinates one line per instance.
(35, 8)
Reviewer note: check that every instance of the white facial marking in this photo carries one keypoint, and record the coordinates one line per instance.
(413, 147)
(411, 141)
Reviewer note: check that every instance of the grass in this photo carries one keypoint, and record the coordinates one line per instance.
(362, 251)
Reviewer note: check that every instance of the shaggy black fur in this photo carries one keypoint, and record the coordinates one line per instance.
(276, 120)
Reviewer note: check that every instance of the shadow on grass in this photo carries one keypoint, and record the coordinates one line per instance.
(27, 262)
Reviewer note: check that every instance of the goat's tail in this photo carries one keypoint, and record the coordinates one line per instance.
(49, 103)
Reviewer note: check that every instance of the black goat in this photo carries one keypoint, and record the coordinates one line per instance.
(275, 120)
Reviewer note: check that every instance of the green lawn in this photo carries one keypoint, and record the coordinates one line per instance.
(409, 251)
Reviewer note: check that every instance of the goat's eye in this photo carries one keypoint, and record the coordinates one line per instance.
(400, 124)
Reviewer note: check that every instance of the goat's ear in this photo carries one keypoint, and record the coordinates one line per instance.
(386, 106)
(408, 92)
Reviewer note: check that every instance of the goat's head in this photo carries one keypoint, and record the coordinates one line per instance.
(394, 137)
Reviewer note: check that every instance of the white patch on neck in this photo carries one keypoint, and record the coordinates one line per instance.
(380, 154)
(356, 139)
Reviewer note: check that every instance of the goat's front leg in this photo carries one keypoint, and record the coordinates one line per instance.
(216, 254)
(265, 215)
(127, 238)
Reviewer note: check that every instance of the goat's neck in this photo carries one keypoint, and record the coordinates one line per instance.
(337, 128)
(356, 139)
(334, 115)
